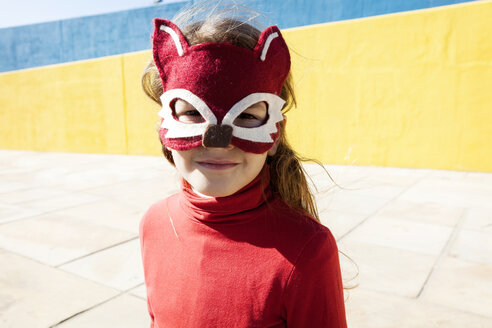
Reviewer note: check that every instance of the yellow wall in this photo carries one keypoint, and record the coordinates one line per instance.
(142, 116)
(78, 107)
(409, 89)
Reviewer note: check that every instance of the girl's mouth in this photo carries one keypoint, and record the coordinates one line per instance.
(217, 165)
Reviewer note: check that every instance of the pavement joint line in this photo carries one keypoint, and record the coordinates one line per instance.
(48, 211)
(87, 190)
(381, 207)
(96, 251)
(54, 267)
(422, 301)
(453, 309)
(87, 309)
(83, 190)
(135, 295)
(63, 271)
(17, 190)
(133, 287)
(123, 292)
(138, 205)
(59, 185)
(35, 199)
(26, 257)
(386, 293)
(444, 251)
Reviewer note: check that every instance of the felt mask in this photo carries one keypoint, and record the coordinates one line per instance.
(220, 81)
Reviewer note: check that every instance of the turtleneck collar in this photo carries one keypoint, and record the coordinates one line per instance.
(233, 208)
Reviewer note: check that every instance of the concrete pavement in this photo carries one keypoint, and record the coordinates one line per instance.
(420, 240)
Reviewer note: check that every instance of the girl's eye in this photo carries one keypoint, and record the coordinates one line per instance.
(186, 113)
(252, 116)
(247, 116)
(190, 116)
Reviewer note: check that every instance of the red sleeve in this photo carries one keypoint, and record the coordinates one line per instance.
(313, 296)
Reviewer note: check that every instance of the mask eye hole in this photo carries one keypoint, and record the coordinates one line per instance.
(184, 112)
(254, 116)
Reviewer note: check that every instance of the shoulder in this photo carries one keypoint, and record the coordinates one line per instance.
(298, 234)
(320, 249)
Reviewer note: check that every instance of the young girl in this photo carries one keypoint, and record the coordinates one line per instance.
(241, 245)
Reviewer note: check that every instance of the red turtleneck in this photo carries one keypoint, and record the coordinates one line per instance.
(239, 261)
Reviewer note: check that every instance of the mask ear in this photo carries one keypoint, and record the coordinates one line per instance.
(167, 41)
(272, 49)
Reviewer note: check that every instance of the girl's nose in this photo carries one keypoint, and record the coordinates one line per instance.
(217, 136)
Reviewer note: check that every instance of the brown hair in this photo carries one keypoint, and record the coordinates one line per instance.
(287, 175)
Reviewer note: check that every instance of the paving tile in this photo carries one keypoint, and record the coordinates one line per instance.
(449, 175)
(478, 218)
(66, 200)
(331, 196)
(384, 269)
(425, 212)
(350, 202)
(403, 219)
(461, 193)
(25, 195)
(81, 171)
(480, 177)
(374, 190)
(402, 234)
(89, 178)
(10, 186)
(340, 222)
(33, 177)
(363, 177)
(462, 285)
(383, 174)
(8, 155)
(340, 173)
(54, 239)
(370, 309)
(139, 291)
(36, 295)
(37, 160)
(331, 176)
(386, 179)
(473, 245)
(124, 311)
(17, 174)
(113, 161)
(118, 267)
(109, 213)
(142, 193)
(10, 213)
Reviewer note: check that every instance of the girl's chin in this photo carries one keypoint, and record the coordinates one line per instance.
(215, 190)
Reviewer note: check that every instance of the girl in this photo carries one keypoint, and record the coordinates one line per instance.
(241, 245)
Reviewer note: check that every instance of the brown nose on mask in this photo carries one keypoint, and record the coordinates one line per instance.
(217, 136)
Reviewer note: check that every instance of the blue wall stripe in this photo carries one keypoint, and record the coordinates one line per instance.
(126, 31)
(79, 38)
